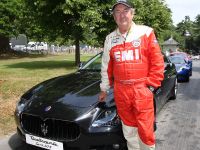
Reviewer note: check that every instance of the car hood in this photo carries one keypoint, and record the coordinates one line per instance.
(72, 94)
(178, 66)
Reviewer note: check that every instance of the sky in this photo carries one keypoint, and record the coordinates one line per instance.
(182, 8)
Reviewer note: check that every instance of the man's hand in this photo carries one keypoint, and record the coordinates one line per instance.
(102, 96)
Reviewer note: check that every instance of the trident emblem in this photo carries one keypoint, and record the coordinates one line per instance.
(44, 129)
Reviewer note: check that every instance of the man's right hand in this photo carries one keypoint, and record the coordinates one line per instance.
(102, 96)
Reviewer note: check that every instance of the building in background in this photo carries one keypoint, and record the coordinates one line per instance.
(169, 46)
(19, 42)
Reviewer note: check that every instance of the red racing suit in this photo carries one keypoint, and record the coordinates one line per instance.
(131, 64)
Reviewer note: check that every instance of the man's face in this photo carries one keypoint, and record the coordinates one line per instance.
(123, 16)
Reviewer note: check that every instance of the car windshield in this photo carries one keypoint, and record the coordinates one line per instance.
(177, 60)
(180, 54)
(94, 64)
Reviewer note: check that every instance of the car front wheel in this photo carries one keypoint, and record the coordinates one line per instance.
(174, 90)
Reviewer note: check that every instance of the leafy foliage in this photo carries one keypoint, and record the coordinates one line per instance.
(196, 34)
(9, 15)
(186, 30)
(85, 21)
(69, 20)
(153, 13)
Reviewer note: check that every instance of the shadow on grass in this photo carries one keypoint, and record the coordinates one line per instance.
(11, 54)
(44, 65)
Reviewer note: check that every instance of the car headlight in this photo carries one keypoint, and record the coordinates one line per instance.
(107, 118)
(183, 68)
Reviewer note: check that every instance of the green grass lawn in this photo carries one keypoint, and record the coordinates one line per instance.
(19, 74)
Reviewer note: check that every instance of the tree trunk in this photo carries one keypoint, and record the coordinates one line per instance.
(4, 44)
(77, 53)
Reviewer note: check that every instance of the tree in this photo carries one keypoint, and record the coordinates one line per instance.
(78, 21)
(9, 14)
(69, 19)
(196, 34)
(91, 20)
(186, 41)
(154, 13)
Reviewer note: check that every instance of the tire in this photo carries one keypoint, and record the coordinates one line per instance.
(191, 72)
(174, 90)
(187, 79)
(154, 123)
(154, 126)
(121, 147)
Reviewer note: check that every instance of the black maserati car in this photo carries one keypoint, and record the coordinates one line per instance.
(64, 112)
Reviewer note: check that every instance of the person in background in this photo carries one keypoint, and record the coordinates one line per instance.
(133, 64)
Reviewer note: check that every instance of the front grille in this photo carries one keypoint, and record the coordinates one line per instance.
(50, 128)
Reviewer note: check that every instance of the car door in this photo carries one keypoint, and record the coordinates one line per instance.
(163, 93)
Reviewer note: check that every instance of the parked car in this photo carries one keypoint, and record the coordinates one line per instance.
(182, 67)
(195, 57)
(64, 112)
(37, 46)
(19, 47)
(187, 58)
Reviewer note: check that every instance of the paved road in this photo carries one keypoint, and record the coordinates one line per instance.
(178, 122)
(13, 142)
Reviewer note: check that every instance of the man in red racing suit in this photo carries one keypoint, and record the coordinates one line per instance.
(131, 64)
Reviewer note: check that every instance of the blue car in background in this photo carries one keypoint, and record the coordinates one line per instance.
(186, 57)
(183, 68)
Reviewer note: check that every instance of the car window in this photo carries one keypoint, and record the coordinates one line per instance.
(93, 64)
(177, 60)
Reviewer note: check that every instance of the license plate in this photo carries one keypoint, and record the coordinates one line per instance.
(43, 143)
